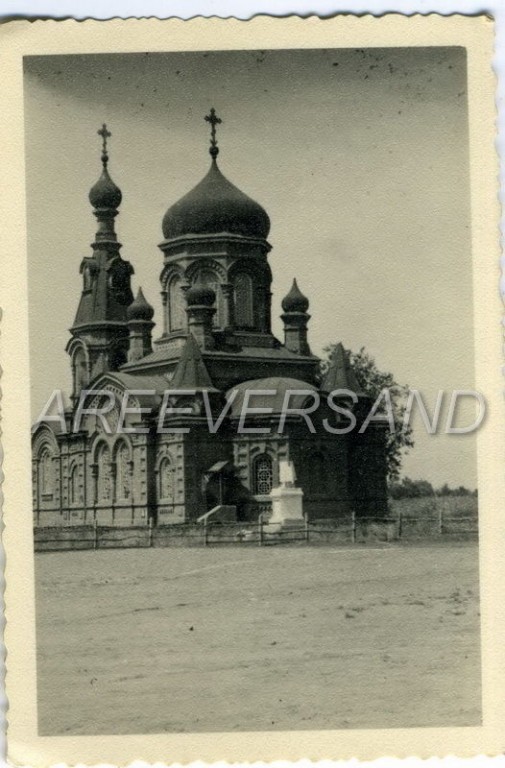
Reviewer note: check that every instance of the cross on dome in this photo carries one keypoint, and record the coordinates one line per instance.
(105, 194)
(215, 205)
(105, 134)
(214, 120)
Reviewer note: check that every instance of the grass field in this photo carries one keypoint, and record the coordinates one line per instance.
(237, 639)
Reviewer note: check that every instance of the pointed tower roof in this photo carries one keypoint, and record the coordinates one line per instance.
(295, 301)
(191, 372)
(340, 374)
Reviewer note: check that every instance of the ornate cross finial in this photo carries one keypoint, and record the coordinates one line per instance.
(214, 120)
(105, 134)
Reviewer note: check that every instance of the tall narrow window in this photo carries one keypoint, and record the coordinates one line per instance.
(123, 472)
(46, 471)
(86, 277)
(210, 280)
(243, 301)
(176, 308)
(166, 480)
(263, 475)
(73, 485)
(80, 370)
(104, 474)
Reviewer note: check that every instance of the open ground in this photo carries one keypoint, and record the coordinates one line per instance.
(238, 639)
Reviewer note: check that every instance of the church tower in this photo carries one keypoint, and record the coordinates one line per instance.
(100, 331)
(216, 237)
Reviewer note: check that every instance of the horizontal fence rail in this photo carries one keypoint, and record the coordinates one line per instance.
(346, 530)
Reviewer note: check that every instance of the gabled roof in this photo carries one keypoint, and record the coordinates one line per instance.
(142, 385)
(191, 372)
(340, 374)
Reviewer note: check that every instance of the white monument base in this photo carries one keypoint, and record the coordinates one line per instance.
(287, 508)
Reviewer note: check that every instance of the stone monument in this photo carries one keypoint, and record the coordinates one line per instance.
(287, 499)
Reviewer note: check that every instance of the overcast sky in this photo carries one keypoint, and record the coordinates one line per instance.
(360, 157)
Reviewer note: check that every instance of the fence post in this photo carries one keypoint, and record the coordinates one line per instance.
(150, 532)
(260, 529)
(95, 534)
(400, 524)
(353, 533)
(307, 528)
(441, 519)
(205, 539)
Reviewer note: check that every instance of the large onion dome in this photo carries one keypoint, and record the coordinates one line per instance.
(140, 309)
(215, 206)
(295, 301)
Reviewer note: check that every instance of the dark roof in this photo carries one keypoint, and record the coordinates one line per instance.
(340, 374)
(105, 194)
(279, 385)
(215, 205)
(132, 381)
(295, 301)
(191, 372)
(140, 309)
(267, 353)
(143, 384)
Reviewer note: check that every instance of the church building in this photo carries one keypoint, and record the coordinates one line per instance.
(206, 422)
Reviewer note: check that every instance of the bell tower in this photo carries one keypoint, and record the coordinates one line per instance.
(100, 332)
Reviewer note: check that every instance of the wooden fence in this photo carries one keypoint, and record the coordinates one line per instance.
(346, 530)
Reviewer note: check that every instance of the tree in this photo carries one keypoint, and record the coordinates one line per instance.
(372, 381)
(446, 490)
(410, 489)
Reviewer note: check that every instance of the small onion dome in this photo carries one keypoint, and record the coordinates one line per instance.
(216, 206)
(200, 295)
(295, 301)
(105, 194)
(140, 309)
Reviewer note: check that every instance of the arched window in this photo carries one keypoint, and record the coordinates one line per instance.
(123, 477)
(262, 475)
(73, 485)
(104, 474)
(208, 278)
(166, 479)
(243, 300)
(176, 306)
(80, 369)
(86, 277)
(46, 471)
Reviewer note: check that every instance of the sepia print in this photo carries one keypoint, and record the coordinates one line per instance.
(255, 390)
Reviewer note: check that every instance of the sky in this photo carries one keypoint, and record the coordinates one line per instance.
(359, 156)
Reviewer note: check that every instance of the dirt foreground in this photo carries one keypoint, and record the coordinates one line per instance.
(243, 639)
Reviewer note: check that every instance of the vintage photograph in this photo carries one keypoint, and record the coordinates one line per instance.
(239, 512)
(252, 406)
